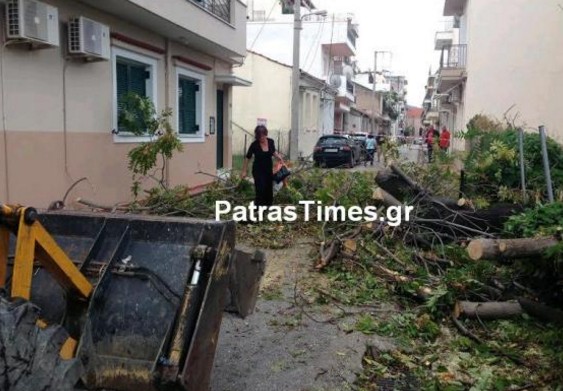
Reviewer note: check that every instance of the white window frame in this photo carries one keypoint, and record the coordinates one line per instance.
(152, 91)
(199, 78)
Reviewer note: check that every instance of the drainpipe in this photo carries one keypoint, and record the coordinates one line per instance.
(4, 117)
(167, 63)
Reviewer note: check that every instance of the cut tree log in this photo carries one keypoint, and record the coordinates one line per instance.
(385, 198)
(488, 311)
(541, 311)
(507, 309)
(509, 248)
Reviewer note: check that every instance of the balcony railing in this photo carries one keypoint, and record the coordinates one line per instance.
(219, 8)
(454, 56)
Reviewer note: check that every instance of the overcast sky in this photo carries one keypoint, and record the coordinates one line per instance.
(404, 27)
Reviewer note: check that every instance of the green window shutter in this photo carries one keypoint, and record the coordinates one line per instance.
(122, 83)
(130, 77)
(187, 90)
(138, 76)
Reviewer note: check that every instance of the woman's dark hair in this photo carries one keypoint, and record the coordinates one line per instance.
(259, 131)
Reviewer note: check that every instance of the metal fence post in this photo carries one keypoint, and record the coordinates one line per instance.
(522, 166)
(546, 164)
(244, 151)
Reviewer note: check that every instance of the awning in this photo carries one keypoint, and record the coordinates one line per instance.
(233, 80)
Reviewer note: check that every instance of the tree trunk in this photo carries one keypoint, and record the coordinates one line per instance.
(541, 311)
(488, 311)
(411, 183)
(385, 198)
(509, 248)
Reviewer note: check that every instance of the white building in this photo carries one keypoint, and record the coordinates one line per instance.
(268, 102)
(502, 58)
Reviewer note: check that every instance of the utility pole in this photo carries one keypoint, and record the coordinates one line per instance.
(295, 99)
(374, 90)
(375, 54)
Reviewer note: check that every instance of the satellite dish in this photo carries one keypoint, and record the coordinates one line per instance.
(335, 81)
(348, 71)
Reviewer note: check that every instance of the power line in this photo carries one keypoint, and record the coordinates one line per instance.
(315, 44)
(263, 24)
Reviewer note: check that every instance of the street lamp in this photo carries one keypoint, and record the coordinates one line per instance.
(297, 27)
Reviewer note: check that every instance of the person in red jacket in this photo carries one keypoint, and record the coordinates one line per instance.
(445, 138)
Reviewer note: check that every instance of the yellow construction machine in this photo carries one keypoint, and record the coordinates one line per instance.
(116, 302)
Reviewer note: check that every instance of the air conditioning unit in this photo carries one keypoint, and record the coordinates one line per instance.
(34, 22)
(88, 38)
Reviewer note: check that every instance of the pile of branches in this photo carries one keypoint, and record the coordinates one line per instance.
(452, 261)
(437, 224)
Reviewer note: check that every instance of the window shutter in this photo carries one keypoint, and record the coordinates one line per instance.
(130, 77)
(187, 111)
(138, 79)
(122, 83)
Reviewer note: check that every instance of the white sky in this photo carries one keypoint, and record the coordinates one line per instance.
(405, 27)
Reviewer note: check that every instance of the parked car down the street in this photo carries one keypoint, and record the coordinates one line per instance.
(335, 150)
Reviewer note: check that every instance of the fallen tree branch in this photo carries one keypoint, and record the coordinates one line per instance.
(106, 208)
(327, 255)
(463, 330)
(385, 198)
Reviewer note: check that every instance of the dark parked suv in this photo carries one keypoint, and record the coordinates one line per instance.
(336, 150)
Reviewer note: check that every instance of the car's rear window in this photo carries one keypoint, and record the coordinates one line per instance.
(332, 141)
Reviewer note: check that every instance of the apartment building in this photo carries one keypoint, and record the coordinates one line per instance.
(502, 58)
(370, 105)
(66, 64)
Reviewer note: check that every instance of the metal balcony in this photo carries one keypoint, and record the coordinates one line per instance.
(453, 57)
(219, 8)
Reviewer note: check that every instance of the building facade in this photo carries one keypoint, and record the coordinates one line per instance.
(60, 112)
(268, 102)
(371, 104)
(414, 120)
(509, 69)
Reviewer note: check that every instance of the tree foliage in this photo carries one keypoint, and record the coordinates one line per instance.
(492, 165)
(138, 117)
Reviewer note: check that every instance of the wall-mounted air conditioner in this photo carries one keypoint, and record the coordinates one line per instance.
(31, 21)
(88, 38)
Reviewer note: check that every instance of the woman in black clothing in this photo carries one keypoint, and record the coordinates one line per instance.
(263, 149)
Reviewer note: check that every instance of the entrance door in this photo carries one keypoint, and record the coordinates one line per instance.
(220, 128)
